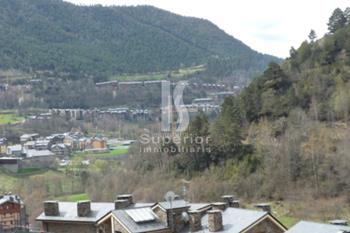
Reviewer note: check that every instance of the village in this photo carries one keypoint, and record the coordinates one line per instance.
(56, 150)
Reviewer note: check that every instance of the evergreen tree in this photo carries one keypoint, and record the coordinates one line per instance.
(312, 35)
(336, 21)
(347, 15)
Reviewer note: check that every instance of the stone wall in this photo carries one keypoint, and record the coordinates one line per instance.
(266, 225)
(69, 228)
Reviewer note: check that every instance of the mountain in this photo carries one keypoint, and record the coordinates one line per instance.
(52, 35)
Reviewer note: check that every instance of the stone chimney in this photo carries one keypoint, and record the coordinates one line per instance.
(195, 220)
(84, 208)
(51, 208)
(264, 207)
(215, 220)
(235, 204)
(229, 199)
(127, 197)
(339, 222)
(121, 204)
(219, 206)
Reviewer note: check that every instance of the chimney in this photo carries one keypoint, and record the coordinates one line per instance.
(215, 220)
(228, 199)
(219, 206)
(339, 222)
(195, 220)
(235, 204)
(121, 204)
(51, 208)
(84, 208)
(127, 197)
(264, 207)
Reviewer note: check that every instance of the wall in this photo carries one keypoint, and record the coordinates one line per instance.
(266, 226)
(69, 227)
(10, 215)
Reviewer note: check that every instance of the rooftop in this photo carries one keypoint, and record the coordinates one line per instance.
(139, 226)
(10, 198)
(236, 220)
(307, 227)
(68, 212)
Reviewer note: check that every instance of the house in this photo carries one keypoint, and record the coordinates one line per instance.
(29, 145)
(96, 144)
(56, 138)
(29, 137)
(61, 150)
(10, 163)
(3, 145)
(76, 141)
(307, 227)
(12, 213)
(38, 153)
(15, 150)
(42, 144)
(125, 216)
(62, 217)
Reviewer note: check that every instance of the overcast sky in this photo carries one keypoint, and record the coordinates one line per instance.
(268, 26)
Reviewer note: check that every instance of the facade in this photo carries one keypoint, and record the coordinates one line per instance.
(3, 146)
(15, 150)
(61, 150)
(12, 213)
(125, 216)
(10, 163)
(96, 144)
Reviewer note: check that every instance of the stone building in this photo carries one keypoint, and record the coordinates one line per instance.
(125, 216)
(12, 213)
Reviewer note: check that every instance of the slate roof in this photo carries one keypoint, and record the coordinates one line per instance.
(174, 204)
(68, 212)
(10, 198)
(38, 153)
(235, 220)
(309, 227)
(135, 227)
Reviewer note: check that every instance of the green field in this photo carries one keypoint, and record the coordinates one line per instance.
(74, 197)
(31, 171)
(121, 150)
(9, 118)
(180, 73)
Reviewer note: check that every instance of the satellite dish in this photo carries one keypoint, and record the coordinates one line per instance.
(170, 196)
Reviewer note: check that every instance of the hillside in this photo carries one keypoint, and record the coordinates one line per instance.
(52, 35)
(315, 78)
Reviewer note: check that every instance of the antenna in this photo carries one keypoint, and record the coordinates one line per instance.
(170, 197)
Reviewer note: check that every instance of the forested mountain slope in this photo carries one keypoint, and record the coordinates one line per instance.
(52, 35)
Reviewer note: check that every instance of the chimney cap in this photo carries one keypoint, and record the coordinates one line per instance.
(83, 201)
(214, 211)
(262, 205)
(124, 196)
(227, 196)
(341, 222)
(219, 203)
